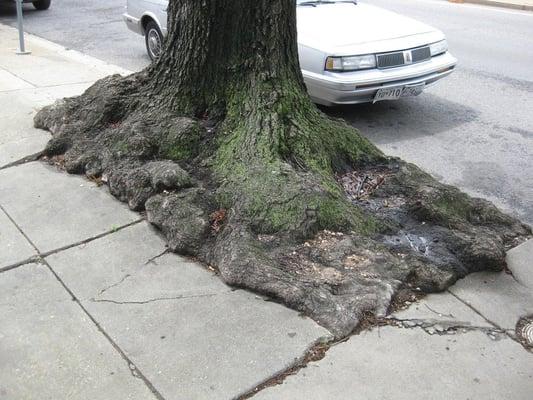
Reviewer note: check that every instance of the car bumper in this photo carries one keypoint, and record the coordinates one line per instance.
(133, 24)
(362, 86)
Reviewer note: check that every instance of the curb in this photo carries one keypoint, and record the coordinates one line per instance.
(496, 3)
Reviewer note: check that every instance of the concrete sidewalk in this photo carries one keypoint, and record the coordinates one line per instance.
(93, 307)
(526, 5)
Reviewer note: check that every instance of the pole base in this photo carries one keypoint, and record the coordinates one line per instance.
(22, 53)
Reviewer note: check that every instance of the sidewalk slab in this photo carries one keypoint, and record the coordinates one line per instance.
(49, 349)
(191, 335)
(56, 209)
(497, 296)
(520, 262)
(14, 246)
(405, 364)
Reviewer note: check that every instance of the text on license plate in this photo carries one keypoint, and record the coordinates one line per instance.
(396, 92)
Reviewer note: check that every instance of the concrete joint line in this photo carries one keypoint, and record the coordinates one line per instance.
(91, 239)
(20, 230)
(32, 260)
(41, 255)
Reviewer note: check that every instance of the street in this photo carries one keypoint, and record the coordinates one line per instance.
(473, 130)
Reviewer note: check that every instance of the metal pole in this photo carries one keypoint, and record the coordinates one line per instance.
(22, 49)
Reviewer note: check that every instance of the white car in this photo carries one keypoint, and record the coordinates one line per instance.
(350, 52)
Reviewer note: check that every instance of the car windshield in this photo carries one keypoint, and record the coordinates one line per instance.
(317, 2)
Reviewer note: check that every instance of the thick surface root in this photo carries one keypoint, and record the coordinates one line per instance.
(334, 244)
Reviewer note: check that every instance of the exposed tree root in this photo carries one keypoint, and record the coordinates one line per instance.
(289, 204)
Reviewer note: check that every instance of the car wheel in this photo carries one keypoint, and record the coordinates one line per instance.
(42, 4)
(154, 40)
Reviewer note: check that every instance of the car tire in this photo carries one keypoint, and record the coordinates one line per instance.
(153, 39)
(42, 4)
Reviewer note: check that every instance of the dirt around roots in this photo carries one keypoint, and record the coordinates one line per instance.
(419, 235)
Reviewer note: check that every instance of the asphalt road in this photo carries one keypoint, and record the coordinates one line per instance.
(473, 130)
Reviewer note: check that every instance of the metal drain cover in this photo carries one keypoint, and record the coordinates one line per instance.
(524, 331)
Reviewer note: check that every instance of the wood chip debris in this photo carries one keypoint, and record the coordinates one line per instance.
(360, 185)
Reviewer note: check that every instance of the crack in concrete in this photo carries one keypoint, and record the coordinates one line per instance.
(439, 327)
(439, 313)
(134, 302)
(131, 275)
(152, 260)
(114, 284)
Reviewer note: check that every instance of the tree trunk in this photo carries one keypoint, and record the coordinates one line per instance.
(219, 50)
(220, 144)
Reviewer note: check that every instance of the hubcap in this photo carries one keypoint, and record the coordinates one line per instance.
(154, 43)
(524, 331)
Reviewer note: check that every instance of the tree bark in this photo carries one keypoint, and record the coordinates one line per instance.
(219, 49)
(220, 144)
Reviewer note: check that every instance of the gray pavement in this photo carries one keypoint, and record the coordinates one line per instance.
(96, 308)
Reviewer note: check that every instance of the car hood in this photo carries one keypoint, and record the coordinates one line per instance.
(346, 27)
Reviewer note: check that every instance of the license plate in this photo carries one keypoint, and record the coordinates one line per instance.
(396, 92)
